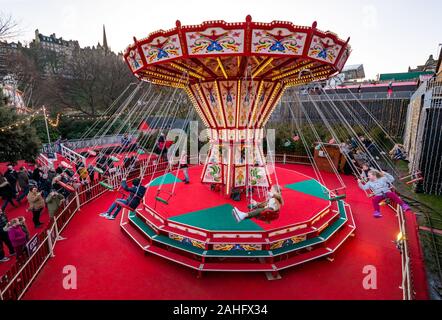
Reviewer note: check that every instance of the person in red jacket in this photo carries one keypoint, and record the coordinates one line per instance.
(17, 237)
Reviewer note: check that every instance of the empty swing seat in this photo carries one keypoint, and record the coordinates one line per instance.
(100, 171)
(106, 185)
(114, 159)
(141, 151)
(65, 165)
(338, 197)
(415, 180)
(92, 153)
(66, 186)
(161, 200)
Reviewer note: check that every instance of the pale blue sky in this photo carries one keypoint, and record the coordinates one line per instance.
(386, 36)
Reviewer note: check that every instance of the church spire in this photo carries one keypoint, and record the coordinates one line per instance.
(105, 46)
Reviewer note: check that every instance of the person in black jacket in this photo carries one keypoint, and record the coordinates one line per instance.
(137, 192)
(6, 192)
(4, 238)
(11, 176)
(36, 174)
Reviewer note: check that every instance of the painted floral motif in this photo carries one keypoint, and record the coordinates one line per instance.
(240, 178)
(213, 173)
(229, 98)
(187, 241)
(257, 176)
(324, 49)
(162, 49)
(343, 59)
(215, 40)
(287, 242)
(242, 247)
(278, 41)
(135, 60)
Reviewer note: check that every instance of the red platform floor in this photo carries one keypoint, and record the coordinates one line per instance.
(298, 207)
(110, 266)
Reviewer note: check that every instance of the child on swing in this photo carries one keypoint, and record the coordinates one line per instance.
(380, 185)
(273, 203)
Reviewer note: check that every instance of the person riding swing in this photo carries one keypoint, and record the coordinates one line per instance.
(137, 192)
(267, 210)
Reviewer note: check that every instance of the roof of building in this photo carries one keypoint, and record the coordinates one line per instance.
(352, 67)
(402, 76)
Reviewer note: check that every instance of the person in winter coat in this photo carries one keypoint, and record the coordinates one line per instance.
(36, 205)
(4, 238)
(24, 227)
(45, 185)
(54, 201)
(17, 237)
(11, 176)
(36, 174)
(6, 192)
(23, 183)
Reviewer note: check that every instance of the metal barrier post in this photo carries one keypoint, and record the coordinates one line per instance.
(77, 200)
(284, 158)
(51, 249)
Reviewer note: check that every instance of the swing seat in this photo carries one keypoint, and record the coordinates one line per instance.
(105, 185)
(66, 186)
(100, 171)
(162, 200)
(114, 159)
(338, 197)
(65, 165)
(414, 180)
(141, 151)
(268, 215)
(125, 206)
(92, 153)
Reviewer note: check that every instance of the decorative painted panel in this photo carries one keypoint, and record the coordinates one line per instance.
(229, 95)
(287, 242)
(134, 60)
(324, 49)
(215, 41)
(210, 92)
(258, 177)
(242, 247)
(162, 49)
(187, 241)
(343, 59)
(240, 176)
(278, 41)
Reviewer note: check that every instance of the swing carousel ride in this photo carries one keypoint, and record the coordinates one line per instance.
(234, 74)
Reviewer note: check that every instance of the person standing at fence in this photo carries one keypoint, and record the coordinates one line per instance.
(4, 238)
(54, 201)
(17, 237)
(24, 227)
(45, 185)
(36, 205)
(23, 183)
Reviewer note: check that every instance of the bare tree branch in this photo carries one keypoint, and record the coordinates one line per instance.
(8, 27)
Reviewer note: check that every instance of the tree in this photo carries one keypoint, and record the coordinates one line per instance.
(19, 142)
(90, 81)
(8, 27)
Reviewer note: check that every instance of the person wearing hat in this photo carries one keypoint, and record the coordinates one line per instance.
(273, 203)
